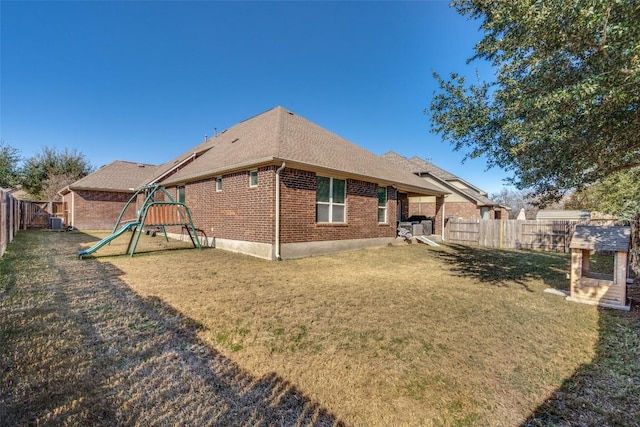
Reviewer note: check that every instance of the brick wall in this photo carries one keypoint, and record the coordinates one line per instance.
(298, 211)
(501, 213)
(98, 210)
(422, 208)
(466, 210)
(238, 212)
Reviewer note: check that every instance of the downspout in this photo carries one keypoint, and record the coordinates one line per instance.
(443, 215)
(73, 209)
(278, 211)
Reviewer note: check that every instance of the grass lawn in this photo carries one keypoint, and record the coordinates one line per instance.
(409, 335)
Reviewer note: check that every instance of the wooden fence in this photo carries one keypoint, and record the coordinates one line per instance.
(10, 213)
(24, 215)
(35, 215)
(513, 234)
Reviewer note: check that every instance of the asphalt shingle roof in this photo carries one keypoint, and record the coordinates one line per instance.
(117, 176)
(279, 135)
(600, 238)
(417, 165)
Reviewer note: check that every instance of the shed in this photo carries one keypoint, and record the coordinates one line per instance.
(607, 290)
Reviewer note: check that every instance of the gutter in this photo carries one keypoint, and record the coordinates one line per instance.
(277, 231)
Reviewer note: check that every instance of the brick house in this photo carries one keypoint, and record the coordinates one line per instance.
(278, 186)
(464, 201)
(95, 201)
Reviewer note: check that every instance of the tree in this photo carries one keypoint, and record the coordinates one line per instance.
(617, 194)
(516, 200)
(9, 158)
(564, 108)
(44, 174)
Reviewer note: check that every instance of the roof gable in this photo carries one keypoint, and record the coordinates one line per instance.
(448, 180)
(119, 176)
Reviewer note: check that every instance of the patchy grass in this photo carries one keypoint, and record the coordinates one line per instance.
(402, 336)
(78, 347)
(413, 335)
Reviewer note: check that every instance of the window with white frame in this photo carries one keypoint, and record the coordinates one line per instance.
(180, 193)
(219, 183)
(382, 204)
(331, 195)
(253, 178)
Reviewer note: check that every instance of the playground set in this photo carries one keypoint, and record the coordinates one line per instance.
(151, 217)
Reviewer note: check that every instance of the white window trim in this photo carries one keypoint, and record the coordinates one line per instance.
(218, 183)
(331, 203)
(256, 172)
(386, 202)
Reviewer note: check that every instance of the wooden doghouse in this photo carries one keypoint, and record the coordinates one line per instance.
(607, 290)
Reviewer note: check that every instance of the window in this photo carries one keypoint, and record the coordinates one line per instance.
(253, 178)
(484, 213)
(219, 183)
(382, 204)
(180, 193)
(331, 194)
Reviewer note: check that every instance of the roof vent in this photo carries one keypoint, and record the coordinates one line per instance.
(140, 165)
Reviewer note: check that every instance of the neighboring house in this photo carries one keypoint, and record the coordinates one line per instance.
(465, 201)
(95, 201)
(276, 186)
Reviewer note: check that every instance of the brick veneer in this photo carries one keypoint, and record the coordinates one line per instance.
(97, 210)
(466, 210)
(298, 211)
(244, 213)
(240, 212)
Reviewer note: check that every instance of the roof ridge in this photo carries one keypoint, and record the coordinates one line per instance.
(279, 136)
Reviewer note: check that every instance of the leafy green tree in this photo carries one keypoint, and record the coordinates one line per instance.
(51, 170)
(9, 158)
(564, 108)
(617, 194)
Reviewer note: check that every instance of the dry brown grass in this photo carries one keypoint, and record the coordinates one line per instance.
(394, 336)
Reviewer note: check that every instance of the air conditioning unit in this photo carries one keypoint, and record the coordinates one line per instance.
(55, 223)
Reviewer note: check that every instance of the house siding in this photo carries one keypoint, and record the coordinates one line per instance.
(98, 210)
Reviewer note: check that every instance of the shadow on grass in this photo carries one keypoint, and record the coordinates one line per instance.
(79, 347)
(503, 267)
(606, 391)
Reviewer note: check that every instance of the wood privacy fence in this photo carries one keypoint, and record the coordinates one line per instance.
(24, 215)
(10, 213)
(512, 234)
(36, 215)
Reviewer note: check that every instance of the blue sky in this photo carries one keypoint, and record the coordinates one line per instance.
(145, 81)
